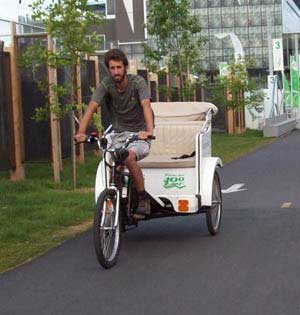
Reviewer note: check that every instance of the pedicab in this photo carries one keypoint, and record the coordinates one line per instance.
(180, 176)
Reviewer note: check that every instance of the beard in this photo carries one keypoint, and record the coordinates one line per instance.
(119, 78)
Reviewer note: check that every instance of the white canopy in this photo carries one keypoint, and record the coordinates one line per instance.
(181, 111)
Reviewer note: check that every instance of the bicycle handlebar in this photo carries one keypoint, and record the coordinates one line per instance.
(103, 141)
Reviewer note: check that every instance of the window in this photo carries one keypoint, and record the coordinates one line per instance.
(105, 7)
(241, 16)
(215, 18)
(214, 3)
(101, 45)
(254, 16)
(110, 7)
(228, 17)
(199, 4)
(228, 3)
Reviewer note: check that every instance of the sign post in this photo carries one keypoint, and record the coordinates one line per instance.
(278, 55)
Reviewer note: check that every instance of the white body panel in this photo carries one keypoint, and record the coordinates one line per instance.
(173, 184)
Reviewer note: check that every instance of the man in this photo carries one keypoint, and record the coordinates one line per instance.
(128, 103)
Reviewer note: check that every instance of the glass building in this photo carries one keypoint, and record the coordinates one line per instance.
(249, 20)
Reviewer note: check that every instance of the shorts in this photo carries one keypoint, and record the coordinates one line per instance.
(141, 148)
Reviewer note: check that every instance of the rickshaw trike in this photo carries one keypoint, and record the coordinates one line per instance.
(180, 176)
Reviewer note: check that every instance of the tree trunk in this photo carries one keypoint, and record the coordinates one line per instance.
(72, 125)
(181, 80)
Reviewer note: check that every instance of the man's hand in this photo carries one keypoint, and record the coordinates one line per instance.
(80, 137)
(143, 135)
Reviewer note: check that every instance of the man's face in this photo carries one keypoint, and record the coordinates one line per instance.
(117, 70)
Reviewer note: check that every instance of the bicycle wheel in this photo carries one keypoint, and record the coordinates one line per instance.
(214, 213)
(107, 237)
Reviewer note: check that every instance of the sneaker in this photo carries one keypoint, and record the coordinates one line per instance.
(144, 206)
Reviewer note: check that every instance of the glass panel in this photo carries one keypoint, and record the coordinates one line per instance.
(214, 3)
(278, 15)
(203, 18)
(227, 3)
(241, 16)
(255, 37)
(111, 7)
(254, 2)
(214, 19)
(254, 16)
(214, 42)
(228, 17)
(200, 4)
(241, 2)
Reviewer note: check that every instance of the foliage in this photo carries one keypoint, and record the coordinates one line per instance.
(236, 90)
(175, 40)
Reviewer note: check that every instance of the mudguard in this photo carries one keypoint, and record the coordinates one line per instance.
(207, 170)
(100, 180)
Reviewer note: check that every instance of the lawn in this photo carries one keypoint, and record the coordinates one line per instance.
(37, 214)
(231, 147)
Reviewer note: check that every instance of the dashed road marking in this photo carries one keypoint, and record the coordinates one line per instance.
(286, 205)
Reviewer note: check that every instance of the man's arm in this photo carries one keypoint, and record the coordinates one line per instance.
(92, 107)
(148, 115)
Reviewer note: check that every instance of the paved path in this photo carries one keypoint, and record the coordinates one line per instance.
(172, 266)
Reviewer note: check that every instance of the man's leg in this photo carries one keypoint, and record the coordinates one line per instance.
(137, 176)
(135, 171)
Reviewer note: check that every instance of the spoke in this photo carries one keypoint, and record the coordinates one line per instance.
(106, 250)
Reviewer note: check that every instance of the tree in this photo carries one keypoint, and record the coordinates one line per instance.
(175, 40)
(68, 23)
(236, 90)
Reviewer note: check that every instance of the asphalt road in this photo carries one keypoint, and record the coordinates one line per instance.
(172, 266)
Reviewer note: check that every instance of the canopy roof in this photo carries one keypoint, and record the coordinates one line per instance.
(182, 111)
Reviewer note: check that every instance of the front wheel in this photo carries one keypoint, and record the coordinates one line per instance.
(214, 213)
(107, 235)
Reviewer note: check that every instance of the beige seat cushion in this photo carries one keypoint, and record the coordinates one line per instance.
(166, 161)
(173, 139)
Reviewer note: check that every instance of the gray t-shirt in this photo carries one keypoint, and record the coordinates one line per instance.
(125, 109)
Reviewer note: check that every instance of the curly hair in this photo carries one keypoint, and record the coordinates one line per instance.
(117, 55)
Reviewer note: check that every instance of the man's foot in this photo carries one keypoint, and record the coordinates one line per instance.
(144, 204)
(138, 216)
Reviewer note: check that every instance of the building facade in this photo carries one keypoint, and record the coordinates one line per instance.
(124, 26)
(251, 21)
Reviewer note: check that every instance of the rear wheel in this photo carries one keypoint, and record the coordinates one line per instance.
(214, 213)
(107, 236)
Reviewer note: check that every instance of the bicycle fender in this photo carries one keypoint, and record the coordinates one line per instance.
(207, 170)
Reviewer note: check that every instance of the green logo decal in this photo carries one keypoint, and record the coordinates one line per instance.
(174, 181)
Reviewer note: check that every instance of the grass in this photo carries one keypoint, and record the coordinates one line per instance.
(230, 147)
(37, 214)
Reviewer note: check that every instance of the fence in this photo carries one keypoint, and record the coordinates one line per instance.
(6, 125)
(20, 96)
